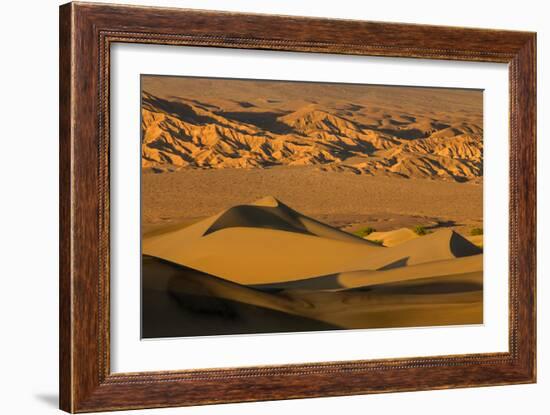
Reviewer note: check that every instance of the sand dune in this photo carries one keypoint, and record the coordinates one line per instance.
(179, 301)
(267, 242)
(440, 245)
(273, 244)
(393, 238)
(269, 213)
(367, 278)
(265, 267)
(440, 300)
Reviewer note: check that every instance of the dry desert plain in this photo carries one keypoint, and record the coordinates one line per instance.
(284, 206)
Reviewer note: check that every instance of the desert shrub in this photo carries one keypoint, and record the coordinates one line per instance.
(420, 230)
(364, 231)
(377, 241)
(476, 231)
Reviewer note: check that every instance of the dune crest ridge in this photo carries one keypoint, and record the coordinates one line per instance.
(267, 201)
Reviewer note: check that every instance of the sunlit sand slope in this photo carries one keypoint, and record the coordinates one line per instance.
(261, 243)
(392, 238)
(267, 242)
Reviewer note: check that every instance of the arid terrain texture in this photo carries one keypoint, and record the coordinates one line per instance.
(291, 206)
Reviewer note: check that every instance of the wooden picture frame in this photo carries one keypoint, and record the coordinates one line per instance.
(86, 33)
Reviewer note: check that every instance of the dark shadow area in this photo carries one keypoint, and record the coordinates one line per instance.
(202, 105)
(406, 133)
(254, 217)
(399, 123)
(443, 224)
(279, 218)
(178, 301)
(436, 125)
(460, 179)
(245, 104)
(354, 107)
(427, 288)
(461, 247)
(325, 282)
(410, 134)
(396, 264)
(349, 109)
(177, 109)
(267, 121)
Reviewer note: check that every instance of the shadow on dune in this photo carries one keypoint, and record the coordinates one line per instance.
(270, 213)
(178, 301)
(246, 104)
(258, 217)
(325, 282)
(461, 247)
(396, 264)
(246, 271)
(425, 287)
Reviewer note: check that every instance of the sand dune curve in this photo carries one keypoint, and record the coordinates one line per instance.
(277, 244)
(394, 237)
(367, 278)
(179, 301)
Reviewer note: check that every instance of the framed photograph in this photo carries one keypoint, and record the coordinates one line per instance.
(260, 207)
